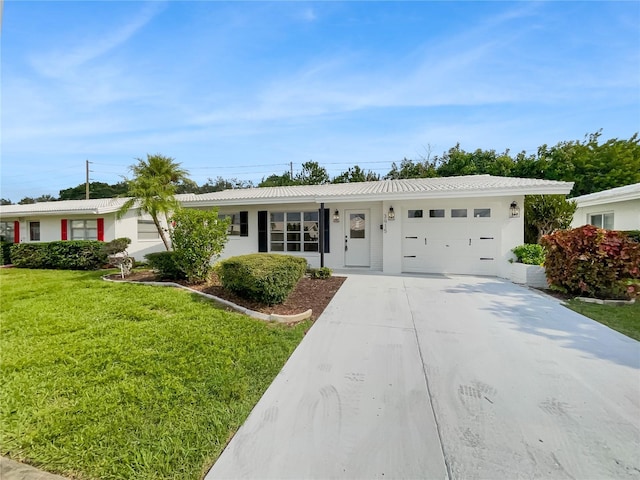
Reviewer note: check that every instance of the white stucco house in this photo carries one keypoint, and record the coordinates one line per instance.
(613, 209)
(465, 225)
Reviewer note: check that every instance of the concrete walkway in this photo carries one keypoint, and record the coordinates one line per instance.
(10, 470)
(436, 377)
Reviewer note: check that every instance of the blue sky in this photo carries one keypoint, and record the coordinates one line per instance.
(241, 89)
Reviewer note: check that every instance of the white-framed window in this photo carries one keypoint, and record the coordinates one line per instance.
(7, 232)
(414, 213)
(482, 212)
(234, 226)
(436, 213)
(34, 231)
(84, 229)
(602, 220)
(294, 231)
(147, 230)
(458, 213)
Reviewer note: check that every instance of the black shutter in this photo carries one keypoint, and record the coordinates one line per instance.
(262, 231)
(327, 216)
(244, 224)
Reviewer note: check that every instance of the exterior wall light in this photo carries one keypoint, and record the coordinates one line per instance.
(391, 215)
(336, 216)
(514, 210)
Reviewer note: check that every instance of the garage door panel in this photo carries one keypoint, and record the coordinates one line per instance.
(450, 245)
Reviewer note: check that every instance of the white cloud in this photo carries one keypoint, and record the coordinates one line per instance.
(58, 64)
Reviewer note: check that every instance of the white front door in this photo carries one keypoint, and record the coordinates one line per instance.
(357, 239)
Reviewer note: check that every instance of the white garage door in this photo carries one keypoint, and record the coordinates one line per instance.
(450, 240)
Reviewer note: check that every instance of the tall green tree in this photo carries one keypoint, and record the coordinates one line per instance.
(153, 188)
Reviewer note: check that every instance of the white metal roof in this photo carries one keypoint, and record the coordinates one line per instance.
(417, 188)
(94, 207)
(618, 194)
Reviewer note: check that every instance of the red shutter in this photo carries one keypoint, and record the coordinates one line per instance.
(63, 229)
(16, 231)
(101, 229)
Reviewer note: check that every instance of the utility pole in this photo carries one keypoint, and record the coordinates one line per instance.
(87, 180)
(291, 169)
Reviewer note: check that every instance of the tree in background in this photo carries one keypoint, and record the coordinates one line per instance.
(356, 174)
(153, 188)
(96, 190)
(5, 201)
(312, 174)
(593, 166)
(544, 214)
(412, 169)
(220, 184)
(278, 180)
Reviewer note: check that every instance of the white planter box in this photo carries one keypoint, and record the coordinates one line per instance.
(530, 275)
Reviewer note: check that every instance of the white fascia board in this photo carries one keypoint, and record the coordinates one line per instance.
(605, 200)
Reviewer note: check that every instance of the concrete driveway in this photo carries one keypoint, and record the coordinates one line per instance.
(446, 377)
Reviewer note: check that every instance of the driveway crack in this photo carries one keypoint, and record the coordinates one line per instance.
(426, 380)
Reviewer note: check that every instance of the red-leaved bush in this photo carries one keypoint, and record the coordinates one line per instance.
(590, 261)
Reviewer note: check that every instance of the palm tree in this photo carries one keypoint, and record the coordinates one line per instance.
(153, 188)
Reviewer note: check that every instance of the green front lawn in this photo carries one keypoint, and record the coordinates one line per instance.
(625, 319)
(117, 381)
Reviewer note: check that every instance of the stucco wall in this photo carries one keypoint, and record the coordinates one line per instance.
(626, 215)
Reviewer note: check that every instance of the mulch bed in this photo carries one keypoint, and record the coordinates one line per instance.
(314, 294)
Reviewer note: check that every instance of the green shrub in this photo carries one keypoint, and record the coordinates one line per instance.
(322, 272)
(61, 255)
(116, 246)
(198, 237)
(632, 234)
(5, 253)
(164, 264)
(267, 278)
(590, 261)
(530, 254)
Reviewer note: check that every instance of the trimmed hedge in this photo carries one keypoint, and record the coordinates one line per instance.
(61, 255)
(632, 234)
(165, 265)
(590, 261)
(5, 253)
(267, 278)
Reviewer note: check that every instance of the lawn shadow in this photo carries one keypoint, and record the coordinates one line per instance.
(536, 314)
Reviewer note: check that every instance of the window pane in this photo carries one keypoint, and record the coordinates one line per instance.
(34, 231)
(608, 221)
(293, 247)
(293, 216)
(596, 220)
(310, 247)
(414, 214)
(310, 216)
(277, 247)
(458, 213)
(91, 223)
(77, 223)
(277, 217)
(293, 237)
(357, 225)
(277, 237)
(481, 212)
(438, 213)
(6, 232)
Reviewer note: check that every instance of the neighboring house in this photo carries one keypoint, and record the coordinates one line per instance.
(465, 225)
(613, 209)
